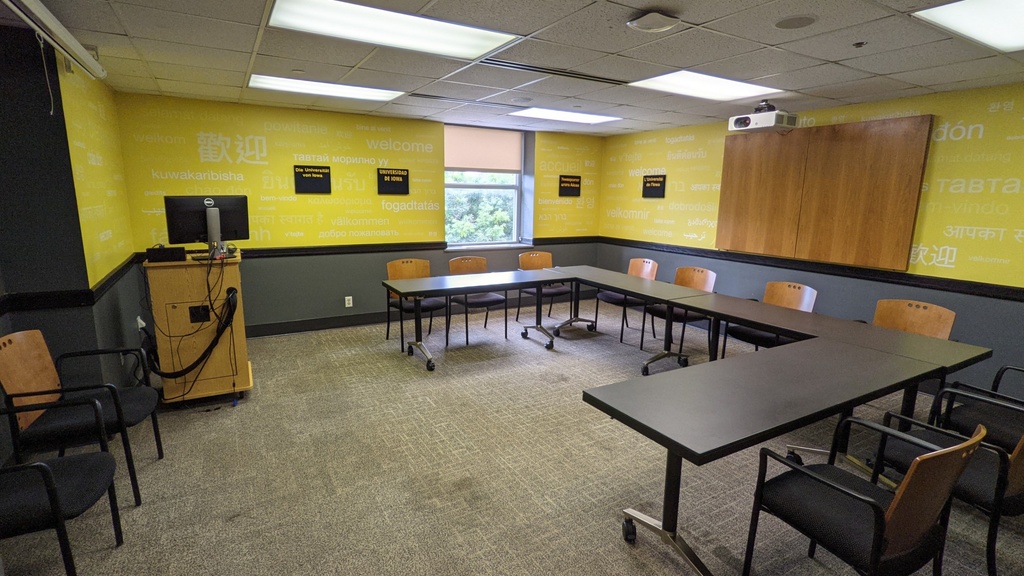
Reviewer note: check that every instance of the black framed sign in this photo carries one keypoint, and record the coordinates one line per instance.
(312, 179)
(392, 181)
(569, 185)
(654, 186)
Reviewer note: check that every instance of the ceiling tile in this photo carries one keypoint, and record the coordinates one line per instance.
(467, 113)
(672, 102)
(385, 80)
(243, 11)
(303, 70)
(185, 29)
(126, 67)
(665, 117)
(971, 70)
(758, 23)
(623, 69)
(116, 45)
(193, 89)
(299, 46)
(562, 86)
(405, 62)
(133, 84)
(1015, 78)
(457, 90)
(413, 100)
(719, 109)
(809, 77)
(195, 74)
(484, 75)
(346, 105)
(158, 51)
(763, 62)
(938, 53)
(93, 15)
(277, 97)
(392, 109)
(894, 95)
(547, 54)
(866, 86)
(521, 17)
(691, 47)
(407, 6)
(913, 5)
(602, 27)
(623, 95)
(524, 98)
(581, 105)
(883, 35)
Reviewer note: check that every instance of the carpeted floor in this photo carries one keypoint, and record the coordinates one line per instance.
(348, 457)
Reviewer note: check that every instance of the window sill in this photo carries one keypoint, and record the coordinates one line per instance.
(485, 247)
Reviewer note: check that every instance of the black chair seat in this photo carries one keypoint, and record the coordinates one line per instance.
(550, 290)
(81, 480)
(976, 486)
(619, 299)
(68, 427)
(480, 300)
(678, 314)
(758, 338)
(407, 305)
(843, 525)
(1005, 426)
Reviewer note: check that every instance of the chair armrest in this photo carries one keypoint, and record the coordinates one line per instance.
(999, 375)
(991, 393)
(1004, 457)
(138, 353)
(101, 429)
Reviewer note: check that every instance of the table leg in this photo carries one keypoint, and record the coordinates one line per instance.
(538, 318)
(666, 351)
(418, 344)
(666, 528)
(574, 316)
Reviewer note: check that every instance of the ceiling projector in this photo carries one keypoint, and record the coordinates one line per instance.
(772, 120)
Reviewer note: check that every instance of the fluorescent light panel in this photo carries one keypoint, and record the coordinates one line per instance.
(375, 26)
(995, 23)
(321, 88)
(703, 86)
(577, 117)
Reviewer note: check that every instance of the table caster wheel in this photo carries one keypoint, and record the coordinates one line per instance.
(794, 457)
(409, 350)
(629, 531)
(550, 345)
(684, 361)
(591, 327)
(644, 371)
(430, 365)
(557, 332)
(525, 334)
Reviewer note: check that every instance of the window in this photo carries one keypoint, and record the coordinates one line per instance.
(481, 207)
(483, 185)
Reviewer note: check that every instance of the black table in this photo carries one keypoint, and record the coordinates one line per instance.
(447, 286)
(651, 291)
(712, 410)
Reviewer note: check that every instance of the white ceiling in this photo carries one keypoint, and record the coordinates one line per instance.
(574, 55)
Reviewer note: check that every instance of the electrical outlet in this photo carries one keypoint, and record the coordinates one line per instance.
(348, 301)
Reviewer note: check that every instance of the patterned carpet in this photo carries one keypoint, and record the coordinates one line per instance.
(348, 457)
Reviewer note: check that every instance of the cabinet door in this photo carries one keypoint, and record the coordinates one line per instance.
(187, 339)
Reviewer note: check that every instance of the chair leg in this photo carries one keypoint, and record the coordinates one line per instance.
(506, 314)
(387, 308)
(430, 326)
(748, 557)
(465, 313)
(551, 305)
(519, 304)
(990, 547)
(447, 318)
(401, 330)
(129, 461)
(65, 544)
(597, 304)
(643, 326)
(812, 548)
(682, 336)
(156, 436)
(725, 340)
(623, 324)
(115, 514)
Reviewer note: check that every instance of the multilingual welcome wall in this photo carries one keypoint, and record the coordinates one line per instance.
(131, 150)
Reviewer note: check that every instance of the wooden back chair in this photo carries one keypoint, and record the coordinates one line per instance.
(640, 267)
(915, 317)
(690, 277)
(405, 269)
(643, 267)
(27, 367)
(539, 260)
(696, 278)
(790, 295)
(485, 300)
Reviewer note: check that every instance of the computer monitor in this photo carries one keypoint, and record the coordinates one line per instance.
(209, 219)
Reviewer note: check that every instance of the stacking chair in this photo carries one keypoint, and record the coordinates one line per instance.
(1004, 421)
(642, 267)
(28, 376)
(536, 260)
(994, 480)
(485, 300)
(691, 277)
(914, 317)
(864, 525)
(407, 268)
(785, 294)
(44, 495)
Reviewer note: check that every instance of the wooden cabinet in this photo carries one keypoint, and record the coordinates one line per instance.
(190, 304)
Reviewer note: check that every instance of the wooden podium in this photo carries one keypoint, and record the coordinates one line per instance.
(185, 323)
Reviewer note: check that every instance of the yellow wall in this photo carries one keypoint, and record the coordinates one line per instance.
(568, 155)
(191, 147)
(970, 223)
(95, 148)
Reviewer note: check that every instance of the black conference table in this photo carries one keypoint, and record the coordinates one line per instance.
(418, 288)
(715, 409)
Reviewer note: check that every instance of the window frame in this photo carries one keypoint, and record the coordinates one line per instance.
(517, 204)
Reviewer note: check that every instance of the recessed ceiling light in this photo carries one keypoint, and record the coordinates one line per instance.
(375, 26)
(703, 86)
(796, 22)
(321, 88)
(563, 116)
(653, 22)
(994, 23)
